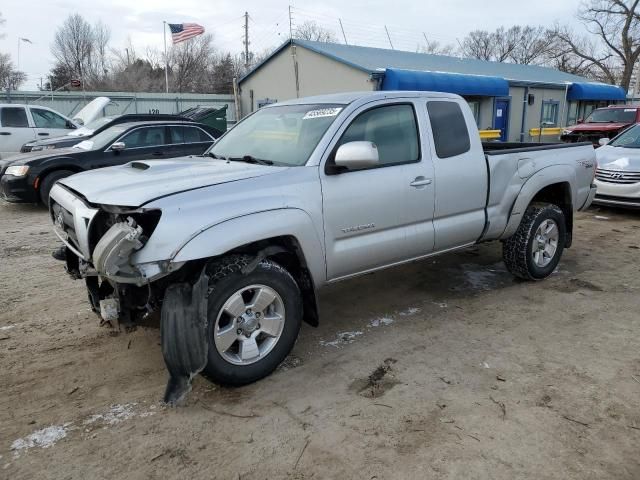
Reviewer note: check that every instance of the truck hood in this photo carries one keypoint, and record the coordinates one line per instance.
(598, 127)
(91, 110)
(139, 182)
(618, 158)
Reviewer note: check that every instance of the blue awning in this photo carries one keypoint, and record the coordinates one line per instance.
(595, 91)
(462, 84)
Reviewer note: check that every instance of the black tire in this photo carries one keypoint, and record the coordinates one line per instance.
(226, 278)
(517, 251)
(49, 181)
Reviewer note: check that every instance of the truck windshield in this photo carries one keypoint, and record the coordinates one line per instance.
(630, 138)
(612, 115)
(283, 135)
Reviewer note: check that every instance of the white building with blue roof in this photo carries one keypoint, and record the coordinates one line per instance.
(507, 97)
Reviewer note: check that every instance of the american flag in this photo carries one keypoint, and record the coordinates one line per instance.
(184, 31)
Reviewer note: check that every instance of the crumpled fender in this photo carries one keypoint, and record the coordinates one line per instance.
(183, 330)
(224, 237)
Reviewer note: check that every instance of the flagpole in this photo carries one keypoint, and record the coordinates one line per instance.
(166, 59)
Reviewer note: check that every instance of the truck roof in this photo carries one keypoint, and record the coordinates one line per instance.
(350, 97)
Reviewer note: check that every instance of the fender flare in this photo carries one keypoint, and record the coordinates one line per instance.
(220, 238)
(534, 184)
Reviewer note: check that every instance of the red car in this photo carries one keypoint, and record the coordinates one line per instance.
(602, 123)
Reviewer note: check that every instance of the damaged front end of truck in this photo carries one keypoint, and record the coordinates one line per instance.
(101, 242)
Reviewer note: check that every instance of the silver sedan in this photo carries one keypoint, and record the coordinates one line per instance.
(618, 172)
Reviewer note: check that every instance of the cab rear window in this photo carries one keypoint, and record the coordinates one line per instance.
(13, 117)
(450, 134)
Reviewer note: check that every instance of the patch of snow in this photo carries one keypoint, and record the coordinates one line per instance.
(380, 322)
(116, 414)
(440, 304)
(600, 217)
(43, 438)
(485, 365)
(409, 311)
(7, 327)
(342, 339)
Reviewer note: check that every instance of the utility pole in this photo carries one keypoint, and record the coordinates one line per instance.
(246, 41)
(293, 55)
(166, 58)
(127, 50)
(389, 37)
(290, 25)
(343, 35)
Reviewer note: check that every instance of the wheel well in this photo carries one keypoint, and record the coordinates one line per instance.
(46, 173)
(286, 251)
(560, 195)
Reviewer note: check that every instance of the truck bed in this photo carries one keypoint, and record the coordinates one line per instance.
(497, 148)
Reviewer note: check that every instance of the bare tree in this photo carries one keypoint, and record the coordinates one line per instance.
(478, 44)
(517, 44)
(82, 49)
(9, 77)
(434, 47)
(614, 46)
(189, 62)
(532, 45)
(312, 31)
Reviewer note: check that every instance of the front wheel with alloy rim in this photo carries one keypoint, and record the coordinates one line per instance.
(533, 252)
(254, 319)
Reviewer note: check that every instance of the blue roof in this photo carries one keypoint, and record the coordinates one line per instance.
(595, 91)
(470, 85)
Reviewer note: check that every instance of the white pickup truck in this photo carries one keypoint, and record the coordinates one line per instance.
(232, 247)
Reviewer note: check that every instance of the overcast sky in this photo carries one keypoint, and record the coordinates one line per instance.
(141, 20)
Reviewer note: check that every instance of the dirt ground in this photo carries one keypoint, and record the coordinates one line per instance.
(447, 368)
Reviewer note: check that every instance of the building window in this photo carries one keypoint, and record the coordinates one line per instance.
(549, 114)
(474, 105)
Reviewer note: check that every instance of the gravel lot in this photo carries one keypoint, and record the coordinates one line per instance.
(447, 368)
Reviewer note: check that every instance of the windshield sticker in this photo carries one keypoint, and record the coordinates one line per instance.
(322, 112)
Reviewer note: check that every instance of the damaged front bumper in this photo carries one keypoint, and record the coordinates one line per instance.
(100, 244)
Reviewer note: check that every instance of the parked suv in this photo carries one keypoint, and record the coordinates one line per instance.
(602, 123)
(231, 249)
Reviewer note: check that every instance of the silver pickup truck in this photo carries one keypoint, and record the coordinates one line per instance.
(231, 247)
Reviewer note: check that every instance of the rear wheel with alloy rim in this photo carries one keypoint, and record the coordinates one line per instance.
(533, 252)
(254, 319)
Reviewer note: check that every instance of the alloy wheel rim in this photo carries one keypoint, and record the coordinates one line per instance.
(249, 324)
(545, 243)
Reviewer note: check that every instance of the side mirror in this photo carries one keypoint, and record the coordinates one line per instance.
(357, 155)
(70, 125)
(580, 120)
(118, 146)
(603, 141)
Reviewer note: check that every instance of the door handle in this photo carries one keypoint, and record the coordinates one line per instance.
(43, 133)
(5, 133)
(421, 182)
(157, 154)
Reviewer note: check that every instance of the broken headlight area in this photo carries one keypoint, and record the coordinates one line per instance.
(115, 235)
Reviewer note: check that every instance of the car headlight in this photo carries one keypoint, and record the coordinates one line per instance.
(37, 148)
(566, 132)
(17, 170)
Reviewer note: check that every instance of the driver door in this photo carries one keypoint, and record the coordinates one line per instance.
(366, 212)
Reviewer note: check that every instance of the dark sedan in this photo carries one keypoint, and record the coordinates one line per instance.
(100, 124)
(30, 177)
